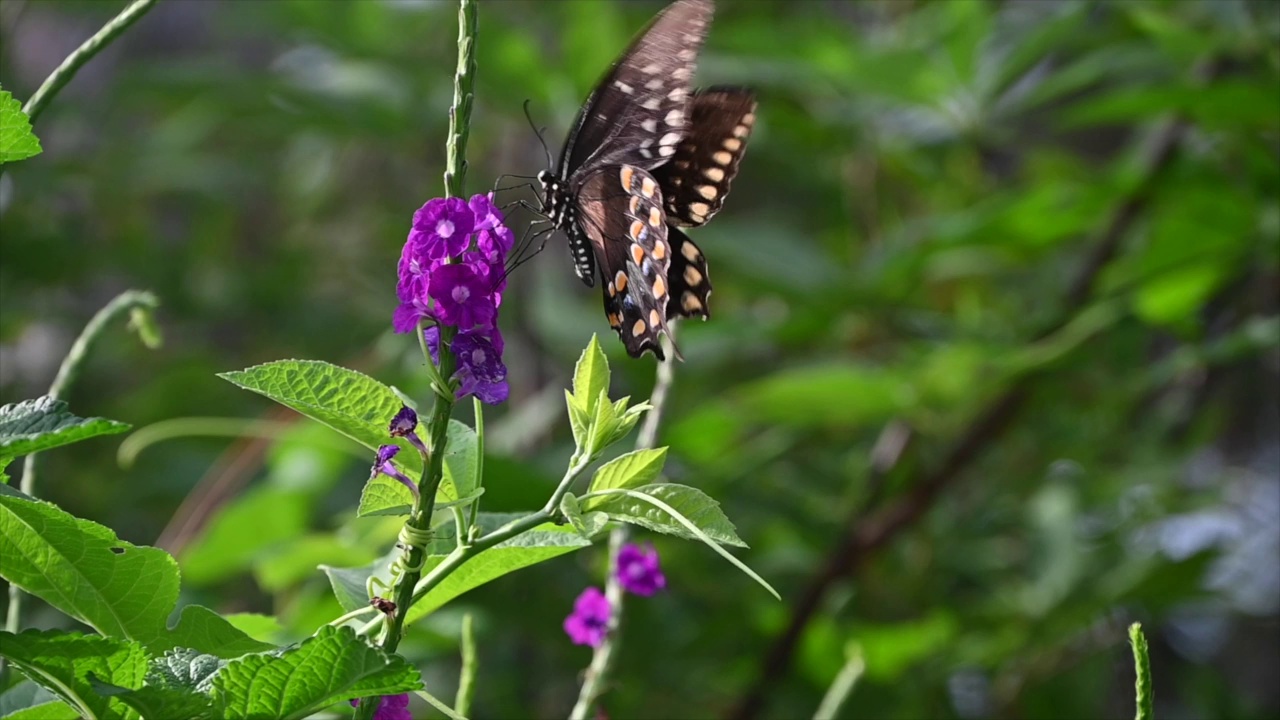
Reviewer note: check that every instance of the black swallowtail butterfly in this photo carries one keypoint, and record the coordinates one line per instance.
(646, 155)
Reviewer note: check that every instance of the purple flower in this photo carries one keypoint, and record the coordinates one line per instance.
(404, 425)
(590, 619)
(443, 227)
(390, 707)
(382, 466)
(487, 215)
(638, 570)
(480, 369)
(463, 297)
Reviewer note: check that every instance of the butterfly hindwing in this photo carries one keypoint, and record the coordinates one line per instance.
(689, 284)
(620, 210)
(696, 181)
(638, 112)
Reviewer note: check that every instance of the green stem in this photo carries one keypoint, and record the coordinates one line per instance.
(1142, 669)
(145, 437)
(479, 411)
(438, 423)
(602, 656)
(83, 54)
(123, 304)
(467, 680)
(842, 686)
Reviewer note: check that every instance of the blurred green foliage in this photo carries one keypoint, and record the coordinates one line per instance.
(926, 181)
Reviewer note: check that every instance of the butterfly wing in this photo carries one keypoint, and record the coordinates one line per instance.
(688, 284)
(696, 181)
(637, 114)
(620, 210)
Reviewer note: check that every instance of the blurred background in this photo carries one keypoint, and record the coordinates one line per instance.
(992, 371)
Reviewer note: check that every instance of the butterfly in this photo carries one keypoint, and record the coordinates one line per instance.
(648, 155)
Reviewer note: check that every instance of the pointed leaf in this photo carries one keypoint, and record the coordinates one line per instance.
(632, 470)
(579, 421)
(35, 425)
(461, 462)
(332, 666)
(62, 663)
(587, 524)
(17, 142)
(352, 403)
(591, 377)
(691, 503)
(158, 702)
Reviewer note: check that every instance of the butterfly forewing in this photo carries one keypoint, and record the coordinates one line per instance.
(620, 208)
(696, 181)
(638, 112)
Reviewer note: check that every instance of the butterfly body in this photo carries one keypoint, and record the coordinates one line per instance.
(647, 155)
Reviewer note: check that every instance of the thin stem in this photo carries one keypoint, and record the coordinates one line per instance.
(467, 680)
(602, 656)
(123, 304)
(83, 54)
(479, 412)
(1142, 669)
(842, 686)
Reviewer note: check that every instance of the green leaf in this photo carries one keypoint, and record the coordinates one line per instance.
(120, 589)
(693, 504)
(591, 377)
(159, 702)
(297, 559)
(579, 421)
(604, 425)
(352, 403)
(53, 710)
(461, 462)
(62, 663)
(543, 542)
(651, 495)
(587, 525)
(261, 518)
(632, 470)
(332, 666)
(28, 701)
(263, 628)
(35, 425)
(17, 142)
(350, 585)
(384, 495)
(185, 668)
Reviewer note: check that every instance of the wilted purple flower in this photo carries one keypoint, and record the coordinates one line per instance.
(590, 619)
(443, 227)
(463, 296)
(638, 571)
(390, 707)
(404, 425)
(480, 369)
(382, 465)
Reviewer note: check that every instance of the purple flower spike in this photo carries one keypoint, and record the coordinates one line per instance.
(638, 571)
(382, 465)
(462, 296)
(443, 227)
(390, 707)
(590, 619)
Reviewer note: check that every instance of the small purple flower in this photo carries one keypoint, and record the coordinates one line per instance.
(462, 296)
(382, 465)
(487, 215)
(638, 571)
(404, 425)
(590, 619)
(444, 227)
(390, 707)
(480, 369)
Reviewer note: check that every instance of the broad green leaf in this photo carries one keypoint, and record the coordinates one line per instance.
(62, 663)
(647, 495)
(632, 470)
(590, 377)
(352, 403)
(17, 142)
(383, 495)
(587, 524)
(350, 585)
(159, 702)
(695, 505)
(35, 425)
(29, 701)
(461, 462)
(332, 666)
(185, 668)
(204, 630)
(263, 628)
(84, 570)
(543, 542)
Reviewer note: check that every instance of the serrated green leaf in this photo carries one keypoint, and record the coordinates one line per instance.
(384, 495)
(32, 702)
(351, 403)
(591, 377)
(263, 628)
(587, 524)
(17, 142)
(649, 496)
(120, 589)
(461, 462)
(604, 425)
(695, 505)
(632, 470)
(159, 702)
(35, 425)
(62, 662)
(579, 421)
(332, 666)
(185, 668)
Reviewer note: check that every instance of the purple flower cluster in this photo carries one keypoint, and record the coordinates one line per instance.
(452, 272)
(637, 571)
(390, 707)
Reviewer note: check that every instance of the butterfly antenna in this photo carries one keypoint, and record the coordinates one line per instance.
(542, 141)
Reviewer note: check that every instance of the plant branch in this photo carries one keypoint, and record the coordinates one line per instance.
(1142, 670)
(602, 656)
(868, 530)
(83, 54)
(467, 679)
